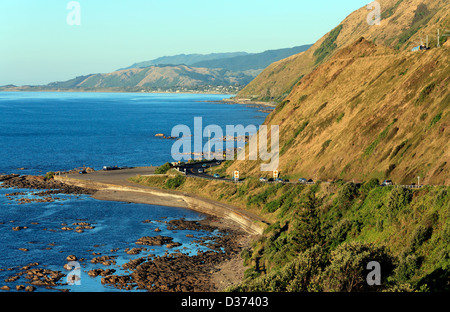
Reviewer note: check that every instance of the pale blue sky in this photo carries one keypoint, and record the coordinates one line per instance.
(37, 46)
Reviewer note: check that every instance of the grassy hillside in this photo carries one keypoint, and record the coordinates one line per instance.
(369, 111)
(403, 23)
(322, 237)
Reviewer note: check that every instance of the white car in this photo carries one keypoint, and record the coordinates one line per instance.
(262, 179)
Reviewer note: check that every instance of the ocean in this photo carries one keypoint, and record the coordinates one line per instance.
(45, 131)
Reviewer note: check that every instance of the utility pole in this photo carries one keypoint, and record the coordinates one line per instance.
(438, 39)
(418, 181)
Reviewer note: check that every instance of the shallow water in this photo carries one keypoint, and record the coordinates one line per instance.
(116, 226)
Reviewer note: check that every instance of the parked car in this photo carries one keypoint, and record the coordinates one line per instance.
(83, 171)
(386, 183)
(278, 180)
(200, 170)
(262, 179)
(216, 175)
(302, 180)
(204, 165)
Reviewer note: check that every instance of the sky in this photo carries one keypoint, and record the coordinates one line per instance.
(38, 45)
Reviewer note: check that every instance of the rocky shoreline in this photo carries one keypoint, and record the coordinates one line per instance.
(175, 271)
(41, 183)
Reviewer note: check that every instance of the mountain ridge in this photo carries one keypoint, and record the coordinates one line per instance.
(403, 23)
(366, 110)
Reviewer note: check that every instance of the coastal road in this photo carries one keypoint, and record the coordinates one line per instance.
(192, 170)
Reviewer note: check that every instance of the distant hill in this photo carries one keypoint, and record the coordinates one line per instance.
(216, 72)
(251, 61)
(153, 78)
(185, 59)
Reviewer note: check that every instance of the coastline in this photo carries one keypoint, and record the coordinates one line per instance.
(210, 271)
(114, 185)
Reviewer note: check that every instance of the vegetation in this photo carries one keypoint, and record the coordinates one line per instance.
(323, 241)
(390, 11)
(369, 150)
(163, 169)
(49, 175)
(322, 236)
(328, 45)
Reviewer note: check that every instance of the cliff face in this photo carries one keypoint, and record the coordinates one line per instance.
(403, 24)
(368, 111)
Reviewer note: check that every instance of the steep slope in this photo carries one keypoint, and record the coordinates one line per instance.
(403, 24)
(369, 111)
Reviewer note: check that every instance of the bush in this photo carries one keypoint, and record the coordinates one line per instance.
(301, 274)
(421, 234)
(49, 176)
(346, 195)
(407, 268)
(163, 169)
(347, 270)
(398, 199)
(176, 182)
(370, 185)
(338, 233)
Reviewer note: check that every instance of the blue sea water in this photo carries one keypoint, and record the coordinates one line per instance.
(44, 132)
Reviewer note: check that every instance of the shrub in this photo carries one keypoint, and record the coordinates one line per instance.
(370, 185)
(176, 182)
(398, 199)
(346, 194)
(49, 176)
(347, 270)
(163, 169)
(421, 234)
(407, 267)
(338, 233)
